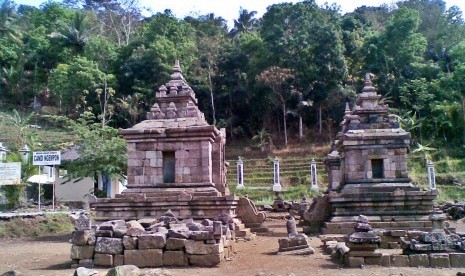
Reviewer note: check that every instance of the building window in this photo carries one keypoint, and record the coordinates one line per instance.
(169, 167)
(377, 168)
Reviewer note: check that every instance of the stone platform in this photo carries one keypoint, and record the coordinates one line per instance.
(408, 210)
(131, 208)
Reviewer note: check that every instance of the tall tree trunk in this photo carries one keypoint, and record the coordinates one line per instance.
(285, 127)
(463, 118)
(301, 131)
(210, 86)
(320, 123)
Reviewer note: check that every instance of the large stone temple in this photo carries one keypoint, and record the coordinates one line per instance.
(367, 171)
(176, 161)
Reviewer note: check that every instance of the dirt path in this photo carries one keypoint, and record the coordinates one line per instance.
(50, 256)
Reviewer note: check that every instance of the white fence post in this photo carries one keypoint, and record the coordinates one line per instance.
(240, 173)
(276, 184)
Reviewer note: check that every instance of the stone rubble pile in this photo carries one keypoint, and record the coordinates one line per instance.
(165, 241)
(455, 210)
(295, 244)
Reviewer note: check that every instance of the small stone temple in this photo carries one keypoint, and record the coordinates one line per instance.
(367, 171)
(176, 161)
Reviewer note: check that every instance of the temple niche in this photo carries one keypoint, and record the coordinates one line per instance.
(176, 161)
(367, 171)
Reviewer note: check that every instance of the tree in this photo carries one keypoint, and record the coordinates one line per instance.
(276, 78)
(75, 35)
(246, 23)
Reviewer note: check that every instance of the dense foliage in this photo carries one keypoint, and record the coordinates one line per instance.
(104, 57)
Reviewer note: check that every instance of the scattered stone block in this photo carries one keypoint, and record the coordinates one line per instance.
(134, 224)
(109, 245)
(103, 259)
(130, 243)
(457, 259)
(201, 235)
(439, 260)
(104, 233)
(419, 260)
(82, 252)
(152, 241)
(355, 261)
(399, 260)
(144, 258)
(175, 244)
(135, 232)
(208, 260)
(200, 248)
(393, 245)
(175, 258)
(82, 223)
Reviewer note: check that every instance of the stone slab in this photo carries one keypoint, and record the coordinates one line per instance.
(130, 243)
(175, 258)
(82, 252)
(419, 260)
(200, 248)
(103, 259)
(118, 260)
(439, 260)
(457, 259)
(355, 261)
(153, 241)
(208, 260)
(144, 258)
(109, 245)
(175, 244)
(399, 260)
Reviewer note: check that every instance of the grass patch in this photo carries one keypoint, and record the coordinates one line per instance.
(36, 227)
(261, 197)
(447, 193)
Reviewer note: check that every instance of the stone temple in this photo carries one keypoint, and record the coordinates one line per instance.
(367, 171)
(176, 161)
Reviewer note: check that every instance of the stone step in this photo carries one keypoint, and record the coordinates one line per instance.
(239, 227)
(243, 233)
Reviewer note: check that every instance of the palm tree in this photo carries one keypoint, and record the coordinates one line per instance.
(246, 23)
(76, 35)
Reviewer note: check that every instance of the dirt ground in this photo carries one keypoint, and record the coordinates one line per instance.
(50, 256)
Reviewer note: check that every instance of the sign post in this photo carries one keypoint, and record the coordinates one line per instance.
(46, 158)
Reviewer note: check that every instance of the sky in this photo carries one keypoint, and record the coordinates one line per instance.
(229, 9)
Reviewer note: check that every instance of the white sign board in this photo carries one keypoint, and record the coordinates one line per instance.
(10, 173)
(46, 158)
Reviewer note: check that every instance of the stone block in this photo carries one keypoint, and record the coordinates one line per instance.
(175, 258)
(109, 245)
(457, 259)
(89, 263)
(175, 244)
(118, 260)
(399, 260)
(419, 260)
(144, 258)
(80, 237)
(152, 241)
(439, 260)
(373, 260)
(103, 259)
(364, 254)
(82, 252)
(393, 245)
(355, 261)
(208, 260)
(200, 248)
(129, 243)
(135, 232)
(385, 260)
(104, 233)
